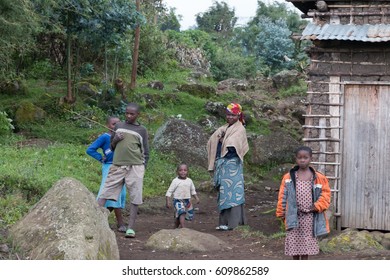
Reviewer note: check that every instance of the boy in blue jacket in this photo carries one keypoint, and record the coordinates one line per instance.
(105, 158)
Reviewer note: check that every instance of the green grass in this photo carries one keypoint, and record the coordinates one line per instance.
(297, 90)
(277, 235)
(66, 131)
(36, 169)
(247, 232)
(26, 174)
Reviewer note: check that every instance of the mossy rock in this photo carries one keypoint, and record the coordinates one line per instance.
(27, 112)
(202, 91)
(87, 89)
(351, 240)
(15, 87)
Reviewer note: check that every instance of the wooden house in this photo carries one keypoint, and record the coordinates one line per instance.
(347, 122)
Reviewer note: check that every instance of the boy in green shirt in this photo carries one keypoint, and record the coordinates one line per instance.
(130, 142)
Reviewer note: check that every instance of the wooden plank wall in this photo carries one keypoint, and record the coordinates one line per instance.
(365, 176)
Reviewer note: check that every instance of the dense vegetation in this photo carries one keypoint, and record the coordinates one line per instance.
(48, 48)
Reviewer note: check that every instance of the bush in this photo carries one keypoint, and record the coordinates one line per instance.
(6, 126)
(43, 69)
(13, 87)
(153, 53)
(232, 65)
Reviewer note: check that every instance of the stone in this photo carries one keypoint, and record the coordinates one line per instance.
(199, 90)
(353, 239)
(27, 112)
(66, 224)
(286, 79)
(185, 240)
(277, 147)
(184, 139)
(4, 248)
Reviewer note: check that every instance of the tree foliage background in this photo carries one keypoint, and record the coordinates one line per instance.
(95, 37)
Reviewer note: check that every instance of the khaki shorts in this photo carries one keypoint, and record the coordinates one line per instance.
(131, 175)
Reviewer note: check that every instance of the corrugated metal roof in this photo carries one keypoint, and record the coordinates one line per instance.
(351, 32)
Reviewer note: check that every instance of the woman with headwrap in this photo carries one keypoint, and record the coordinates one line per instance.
(226, 149)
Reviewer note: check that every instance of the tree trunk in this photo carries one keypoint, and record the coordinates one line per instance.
(69, 96)
(105, 64)
(135, 52)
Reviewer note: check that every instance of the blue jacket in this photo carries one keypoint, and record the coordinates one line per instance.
(103, 143)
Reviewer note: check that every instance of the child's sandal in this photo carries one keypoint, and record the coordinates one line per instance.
(130, 233)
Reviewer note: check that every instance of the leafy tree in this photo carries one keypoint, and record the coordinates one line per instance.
(276, 11)
(219, 18)
(170, 21)
(18, 23)
(274, 46)
(109, 26)
(100, 23)
(153, 53)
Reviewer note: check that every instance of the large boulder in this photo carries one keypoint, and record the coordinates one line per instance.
(351, 240)
(277, 147)
(185, 240)
(217, 109)
(286, 79)
(202, 91)
(13, 87)
(66, 224)
(232, 85)
(27, 112)
(184, 139)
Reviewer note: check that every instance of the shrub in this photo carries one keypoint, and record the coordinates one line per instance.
(6, 126)
(232, 64)
(43, 69)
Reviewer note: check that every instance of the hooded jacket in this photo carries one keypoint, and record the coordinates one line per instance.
(287, 202)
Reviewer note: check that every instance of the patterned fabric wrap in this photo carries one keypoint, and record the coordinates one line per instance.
(183, 206)
(234, 108)
(121, 202)
(229, 180)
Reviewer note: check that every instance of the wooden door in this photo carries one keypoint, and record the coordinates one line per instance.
(365, 187)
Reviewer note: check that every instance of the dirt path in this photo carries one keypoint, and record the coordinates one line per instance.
(252, 242)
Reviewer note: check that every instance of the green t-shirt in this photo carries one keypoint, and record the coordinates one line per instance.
(134, 148)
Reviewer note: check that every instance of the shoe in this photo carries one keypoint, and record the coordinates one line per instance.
(130, 233)
(222, 227)
(122, 228)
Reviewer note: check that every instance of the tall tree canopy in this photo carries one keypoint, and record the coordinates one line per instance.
(274, 47)
(219, 18)
(170, 21)
(276, 11)
(97, 23)
(18, 22)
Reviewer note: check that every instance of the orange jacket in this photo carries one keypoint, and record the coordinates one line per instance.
(320, 189)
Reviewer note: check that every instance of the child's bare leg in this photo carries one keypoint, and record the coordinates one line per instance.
(101, 201)
(296, 257)
(118, 216)
(304, 257)
(133, 215)
(182, 219)
(177, 222)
